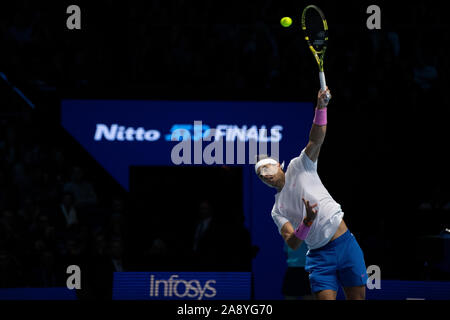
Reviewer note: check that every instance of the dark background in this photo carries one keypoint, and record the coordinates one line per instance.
(384, 158)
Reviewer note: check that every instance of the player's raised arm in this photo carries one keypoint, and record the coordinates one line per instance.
(319, 127)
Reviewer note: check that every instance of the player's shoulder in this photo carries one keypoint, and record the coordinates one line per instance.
(302, 162)
(296, 163)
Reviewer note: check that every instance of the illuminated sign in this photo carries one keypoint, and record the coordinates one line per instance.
(117, 132)
(120, 134)
(228, 132)
(181, 286)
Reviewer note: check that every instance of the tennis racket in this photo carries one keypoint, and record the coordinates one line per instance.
(315, 28)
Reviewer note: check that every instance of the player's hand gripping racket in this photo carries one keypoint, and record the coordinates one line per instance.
(315, 28)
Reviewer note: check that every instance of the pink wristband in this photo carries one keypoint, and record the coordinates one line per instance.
(320, 117)
(302, 231)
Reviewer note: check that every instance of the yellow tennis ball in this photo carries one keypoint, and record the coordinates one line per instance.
(286, 22)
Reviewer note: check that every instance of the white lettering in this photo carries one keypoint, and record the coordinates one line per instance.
(129, 134)
(275, 133)
(263, 134)
(215, 147)
(74, 280)
(198, 134)
(122, 133)
(374, 280)
(181, 288)
(212, 290)
(184, 146)
(194, 310)
(252, 133)
(102, 130)
(239, 133)
(140, 134)
(74, 20)
(152, 135)
(374, 20)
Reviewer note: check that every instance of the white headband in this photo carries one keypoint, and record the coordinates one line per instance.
(263, 162)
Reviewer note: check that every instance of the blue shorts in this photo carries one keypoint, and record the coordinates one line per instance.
(339, 262)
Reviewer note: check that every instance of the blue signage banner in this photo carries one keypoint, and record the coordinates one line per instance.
(181, 286)
(406, 290)
(120, 133)
(410, 290)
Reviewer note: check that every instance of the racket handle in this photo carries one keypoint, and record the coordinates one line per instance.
(323, 84)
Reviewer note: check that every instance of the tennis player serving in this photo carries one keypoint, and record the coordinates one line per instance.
(305, 211)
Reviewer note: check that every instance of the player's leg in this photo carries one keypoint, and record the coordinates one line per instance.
(325, 295)
(352, 273)
(322, 269)
(355, 293)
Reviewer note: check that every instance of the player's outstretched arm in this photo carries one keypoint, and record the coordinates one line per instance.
(319, 127)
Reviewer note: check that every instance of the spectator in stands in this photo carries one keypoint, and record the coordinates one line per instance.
(157, 256)
(237, 252)
(82, 190)
(99, 248)
(116, 253)
(116, 223)
(102, 267)
(45, 271)
(43, 229)
(66, 214)
(85, 197)
(203, 227)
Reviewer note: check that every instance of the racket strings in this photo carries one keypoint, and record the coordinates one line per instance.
(315, 29)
